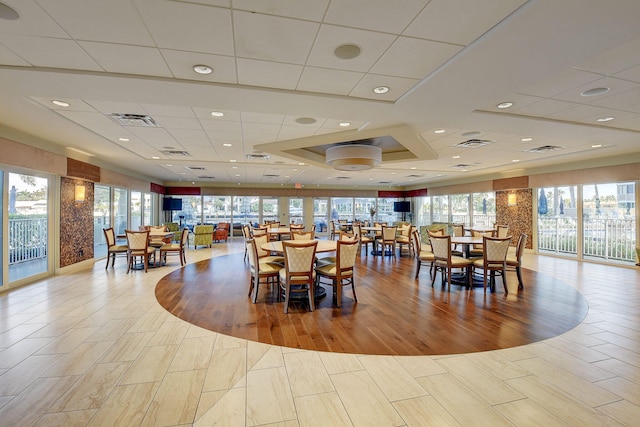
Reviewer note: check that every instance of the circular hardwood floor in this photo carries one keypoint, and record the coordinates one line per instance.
(395, 314)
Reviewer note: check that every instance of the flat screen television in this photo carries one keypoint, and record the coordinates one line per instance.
(402, 207)
(171, 204)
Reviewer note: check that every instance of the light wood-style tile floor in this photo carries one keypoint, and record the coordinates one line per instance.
(95, 348)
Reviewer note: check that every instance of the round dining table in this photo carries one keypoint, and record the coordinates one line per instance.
(323, 246)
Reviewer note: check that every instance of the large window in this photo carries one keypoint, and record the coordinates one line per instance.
(218, 209)
(363, 208)
(440, 209)
(269, 209)
(248, 208)
(136, 210)
(460, 209)
(28, 226)
(296, 211)
(120, 210)
(609, 224)
(148, 214)
(320, 214)
(342, 208)
(101, 219)
(557, 220)
(483, 209)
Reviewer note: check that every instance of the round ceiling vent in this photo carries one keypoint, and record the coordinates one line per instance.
(347, 51)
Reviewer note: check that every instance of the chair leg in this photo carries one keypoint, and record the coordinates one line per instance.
(519, 274)
(504, 281)
(312, 305)
(418, 268)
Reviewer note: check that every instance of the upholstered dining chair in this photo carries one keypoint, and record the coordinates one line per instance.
(494, 260)
(405, 238)
(341, 273)
(364, 240)
(176, 248)
(514, 259)
(444, 262)
(158, 241)
(263, 255)
(502, 230)
(138, 247)
(261, 272)
(246, 235)
(424, 255)
(298, 274)
(476, 250)
(332, 230)
(387, 241)
(457, 230)
(173, 227)
(221, 232)
(113, 249)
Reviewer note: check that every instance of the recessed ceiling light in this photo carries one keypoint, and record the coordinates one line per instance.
(439, 175)
(237, 174)
(456, 157)
(300, 164)
(464, 170)
(505, 105)
(155, 157)
(234, 167)
(596, 146)
(217, 113)
(168, 165)
(413, 168)
(295, 170)
(123, 139)
(60, 103)
(305, 120)
(515, 160)
(595, 91)
(202, 69)
(232, 160)
(526, 139)
(605, 119)
(345, 124)
(227, 145)
(347, 51)
(381, 89)
(439, 131)
(183, 173)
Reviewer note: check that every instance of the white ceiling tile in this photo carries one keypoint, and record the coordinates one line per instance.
(628, 100)
(118, 58)
(273, 38)
(169, 122)
(155, 137)
(397, 87)
(326, 80)
(632, 74)
(442, 20)
(181, 65)
(168, 110)
(74, 104)
(33, 21)
(109, 107)
(50, 52)
(249, 117)
(90, 120)
(115, 21)
(268, 74)
(312, 10)
(9, 58)
(291, 132)
(204, 114)
(376, 15)
(292, 120)
(414, 58)
(616, 86)
(372, 46)
(542, 108)
(268, 129)
(209, 28)
(222, 126)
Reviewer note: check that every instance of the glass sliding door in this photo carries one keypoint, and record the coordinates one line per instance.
(269, 209)
(136, 210)
(557, 220)
(363, 208)
(296, 210)
(609, 221)
(147, 210)
(440, 209)
(28, 226)
(460, 209)
(342, 208)
(120, 211)
(483, 209)
(248, 209)
(101, 219)
(320, 214)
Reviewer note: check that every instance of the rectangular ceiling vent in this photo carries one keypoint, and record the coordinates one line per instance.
(176, 153)
(462, 166)
(257, 156)
(473, 143)
(270, 176)
(206, 177)
(139, 120)
(544, 149)
(414, 176)
(195, 168)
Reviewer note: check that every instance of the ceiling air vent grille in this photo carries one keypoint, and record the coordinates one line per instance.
(270, 176)
(414, 176)
(139, 120)
(473, 143)
(176, 153)
(206, 177)
(544, 149)
(462, 166)
(257, 156)
(195, 168)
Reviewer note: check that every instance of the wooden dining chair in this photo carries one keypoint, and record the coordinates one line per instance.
(113, 249)
(302, 235)
(476, 250)
(424, 255)
(364, 240)
(341, 272)
(260, 272)
(502, 231)
(138, 247)
(457, 230)
(298, 275)
(387, 241)
(264, 255)
(445, 262)
(178, 249)
(514, 260)
(494, 260)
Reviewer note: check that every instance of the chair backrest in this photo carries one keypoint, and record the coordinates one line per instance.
(260, 240)
(522, 241)
(296, 227)
(109, 236)
(299, 258)
(246, 231)
(457, 230)
(172, 226)
(302, 235)
(203, 229)
(495, 249)
(274, 224)
(332, 226)
(357, 231)
(346, 255)
(389, 233)
(137, 240)
(404, 229)
(259, 231)
(415, 235)
(223, 226)
(476, 233)
(502, 230)
(441, 246)
(342, 221)
(253, 253)
(156, 228)
(348, 237)
(184, 237)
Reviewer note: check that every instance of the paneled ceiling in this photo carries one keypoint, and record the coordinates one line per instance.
(292, 78)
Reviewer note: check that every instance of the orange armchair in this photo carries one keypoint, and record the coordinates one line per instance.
(221, 232)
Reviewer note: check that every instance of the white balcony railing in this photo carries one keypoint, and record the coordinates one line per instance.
(27, 239)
